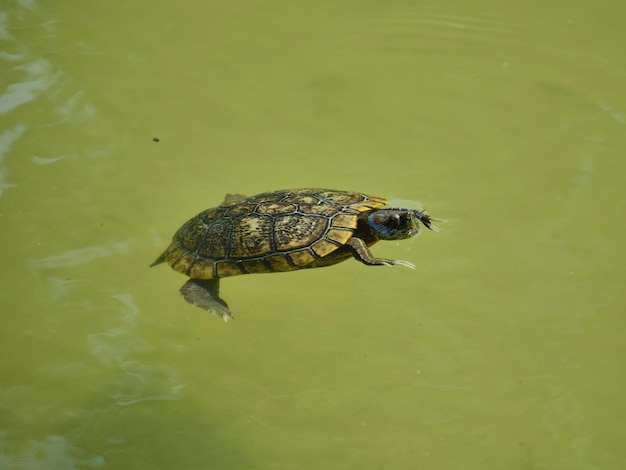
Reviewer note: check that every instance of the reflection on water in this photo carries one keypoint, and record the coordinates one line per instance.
(36, 79)
(79, 256)
(51, 452)
(7, 138)
(135, 381)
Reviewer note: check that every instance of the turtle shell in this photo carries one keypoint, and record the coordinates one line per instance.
(274, 231)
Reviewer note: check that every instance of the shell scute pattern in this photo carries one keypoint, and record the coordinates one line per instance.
(214, 243)
(276, 231)
(297, 231)
(249, 237)
(275, 209)
(301, 257)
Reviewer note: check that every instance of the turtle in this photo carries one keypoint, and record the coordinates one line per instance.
(281, 231)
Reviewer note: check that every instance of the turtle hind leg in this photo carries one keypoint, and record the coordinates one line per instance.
(204, 293)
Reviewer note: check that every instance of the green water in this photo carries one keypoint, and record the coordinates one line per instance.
(504, 349)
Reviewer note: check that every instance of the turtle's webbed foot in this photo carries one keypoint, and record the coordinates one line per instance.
(204, 293)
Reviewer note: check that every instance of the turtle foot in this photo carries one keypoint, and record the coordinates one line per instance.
(400, 262)
(204, 293)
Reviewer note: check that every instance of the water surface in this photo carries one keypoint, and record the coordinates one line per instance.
(503, 349)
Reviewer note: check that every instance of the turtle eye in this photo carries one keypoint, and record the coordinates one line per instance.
(385, 224)
(395, 220)
(390, 221)
(381, 219)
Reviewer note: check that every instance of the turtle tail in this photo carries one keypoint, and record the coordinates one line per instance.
(159, 260)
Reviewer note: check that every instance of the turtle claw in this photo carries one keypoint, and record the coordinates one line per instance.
(204, 293)
(406, 264)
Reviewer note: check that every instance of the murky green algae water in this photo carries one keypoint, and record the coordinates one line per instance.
(503, 349)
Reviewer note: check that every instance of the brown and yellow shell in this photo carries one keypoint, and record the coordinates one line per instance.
(275, 231)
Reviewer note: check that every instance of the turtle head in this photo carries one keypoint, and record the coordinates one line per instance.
(397, 224)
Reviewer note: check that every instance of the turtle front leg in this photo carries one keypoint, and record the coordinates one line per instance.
(205, 293)
(364, 255)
